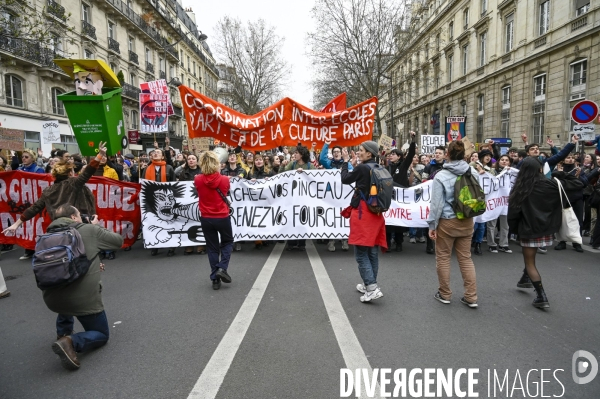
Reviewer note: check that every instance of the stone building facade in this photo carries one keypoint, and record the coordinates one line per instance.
(145, 40)
(509, 66)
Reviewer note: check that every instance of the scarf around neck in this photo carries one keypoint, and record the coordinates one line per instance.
(151, 171)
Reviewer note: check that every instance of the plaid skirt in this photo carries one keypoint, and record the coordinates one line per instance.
(544, 241)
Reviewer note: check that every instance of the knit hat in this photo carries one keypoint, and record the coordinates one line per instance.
(371, 147)
(483, 153)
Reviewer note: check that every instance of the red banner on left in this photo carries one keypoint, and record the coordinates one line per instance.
(117, 206)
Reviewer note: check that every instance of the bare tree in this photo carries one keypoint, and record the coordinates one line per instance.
(33, 31)
(254, 53)
(355, 42)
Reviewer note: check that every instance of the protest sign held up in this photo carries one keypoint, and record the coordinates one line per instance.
(429, 142)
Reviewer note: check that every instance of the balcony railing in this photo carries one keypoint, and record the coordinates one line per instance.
(133, 57)
(579, 23)
(57, 10)
(88, 29)
(113, 45)
(28, 50)
(131, 91)
(540, 42)
(149, 67)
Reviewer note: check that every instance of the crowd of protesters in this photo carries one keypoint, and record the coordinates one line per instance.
(534, 209)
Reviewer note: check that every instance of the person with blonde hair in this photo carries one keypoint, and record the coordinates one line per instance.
(29, 164)
(65, 190)
(212, 189)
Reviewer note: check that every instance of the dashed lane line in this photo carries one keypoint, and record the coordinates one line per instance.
(214, 372)
(352, 351)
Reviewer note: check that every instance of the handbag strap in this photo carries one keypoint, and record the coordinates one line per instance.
(223, 197)
(561, 191)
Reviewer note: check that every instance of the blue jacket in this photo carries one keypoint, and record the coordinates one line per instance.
(330, 163)
(596, 141)
(33, 168)
(442, 192)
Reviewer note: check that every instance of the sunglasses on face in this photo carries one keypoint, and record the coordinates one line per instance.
(25, 156)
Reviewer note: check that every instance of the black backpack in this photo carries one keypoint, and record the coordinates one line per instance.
(382, 189)
(60, 257)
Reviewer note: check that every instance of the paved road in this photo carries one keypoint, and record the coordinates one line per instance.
(301, 322)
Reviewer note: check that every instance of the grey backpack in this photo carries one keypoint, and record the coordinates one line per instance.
(60, 257)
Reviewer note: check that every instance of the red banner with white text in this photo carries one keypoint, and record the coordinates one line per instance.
(285, 123)
(117, 206)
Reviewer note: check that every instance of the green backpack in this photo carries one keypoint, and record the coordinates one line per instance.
(469, 199)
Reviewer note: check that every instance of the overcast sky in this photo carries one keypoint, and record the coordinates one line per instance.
(291, 20)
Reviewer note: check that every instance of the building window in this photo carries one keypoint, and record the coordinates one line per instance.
(437, 42)
(578, 73)
(505, 123)
(188, 63)
(506, 97)
(426, 51)
(85, 12)
(451, 31)
(539, 87)
(482, 45)
(194, 68)
(425, 82)
(479, 128)
(87, 54)
(509, 32)
(581, 7)
(465, 57)
(171, 71)
(14, 91)
(484, 5)
(544, 17)
(450, 62)
(538, 121)
(436, 76)
(417, 88)
(480, 104)
(32, 140)
(148, 55)
(57, 105)
(57, 46)
(463, 106)
(135, 118)
(69, 143)
(131, 44)
(113, 67)
(132, 79)
(466, 19)
(111, 30)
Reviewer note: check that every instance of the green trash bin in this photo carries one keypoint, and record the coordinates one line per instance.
(95, 119)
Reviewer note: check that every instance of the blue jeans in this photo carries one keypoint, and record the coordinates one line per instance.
(416, 232)
(219, 253)
(479, 232)
(96, 330)
(368, 263)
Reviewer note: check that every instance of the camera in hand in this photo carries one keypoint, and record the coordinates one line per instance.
(85, 218)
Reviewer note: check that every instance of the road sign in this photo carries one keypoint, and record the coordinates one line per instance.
(584, 112)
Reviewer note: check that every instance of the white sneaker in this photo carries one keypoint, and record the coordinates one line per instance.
(345, 245)
(421, 240)
(331, 246)
(371, 295)
(413, 240)
(361, 288)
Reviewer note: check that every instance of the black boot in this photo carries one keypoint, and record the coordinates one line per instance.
(399, 246)
(561, 245)
(540, 301)
(525, 281)
(577, 247)
(429, 248)
(477, 250)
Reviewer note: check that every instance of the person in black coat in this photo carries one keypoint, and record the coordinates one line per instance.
(535, 214)
(398, 168)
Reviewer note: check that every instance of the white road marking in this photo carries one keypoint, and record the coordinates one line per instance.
(212, 377)
(352, 351)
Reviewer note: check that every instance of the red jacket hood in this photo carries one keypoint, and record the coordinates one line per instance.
(212, 181)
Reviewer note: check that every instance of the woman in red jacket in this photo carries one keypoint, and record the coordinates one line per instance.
(214, 210)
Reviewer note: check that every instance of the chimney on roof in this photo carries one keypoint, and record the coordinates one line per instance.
(191, 14)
